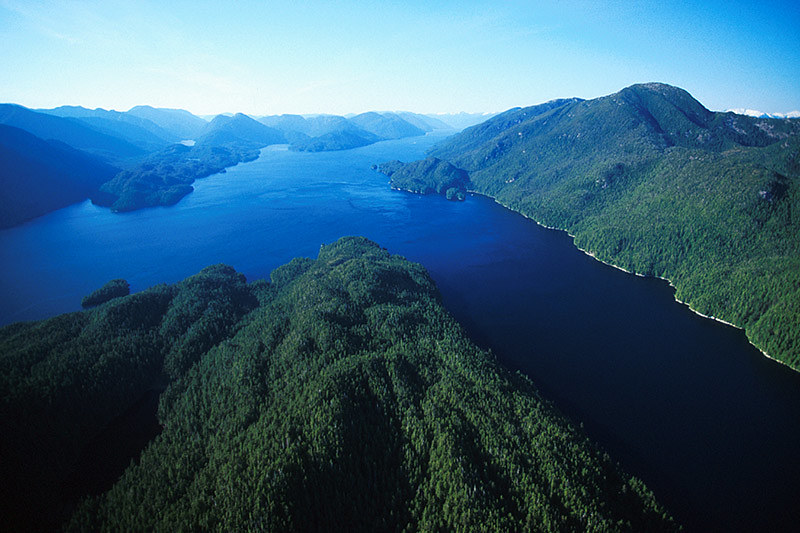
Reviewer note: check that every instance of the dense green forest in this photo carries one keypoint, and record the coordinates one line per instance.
(163, 178)
(652, 181)
(113, 289)
(427, 176)
(338, 396)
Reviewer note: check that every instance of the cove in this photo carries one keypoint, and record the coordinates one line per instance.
(682, 402)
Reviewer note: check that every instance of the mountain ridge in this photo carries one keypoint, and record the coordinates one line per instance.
(650, 180)
(39, 176)
(239, 129)
(69, 131)
(339, 395)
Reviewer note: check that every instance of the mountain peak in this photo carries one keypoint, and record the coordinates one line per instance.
(660, 100)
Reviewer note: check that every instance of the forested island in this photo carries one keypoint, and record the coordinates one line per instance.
(651, 181)
(339, 395)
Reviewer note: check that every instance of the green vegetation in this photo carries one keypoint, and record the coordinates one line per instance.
(339, 396)
(427, 176)
(64, 379)
(650, 180)
(113, 289)
(165, 177)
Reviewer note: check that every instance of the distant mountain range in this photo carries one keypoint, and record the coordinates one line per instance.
(135, 159)
(180, 123)
(72, 131)
(238, 130)
(333, 132)
(650, 180)
(459, 121)
(761, 114)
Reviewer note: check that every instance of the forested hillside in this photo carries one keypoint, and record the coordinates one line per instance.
(164, 177)
(427, 176)
(39, 176)
(652, 181)
(340, 396)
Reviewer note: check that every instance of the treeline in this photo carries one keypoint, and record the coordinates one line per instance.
(650, 180)
(339, 396)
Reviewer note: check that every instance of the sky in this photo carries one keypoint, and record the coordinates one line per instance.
(266, 57)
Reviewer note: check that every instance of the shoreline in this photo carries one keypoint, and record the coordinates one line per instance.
(675, 289)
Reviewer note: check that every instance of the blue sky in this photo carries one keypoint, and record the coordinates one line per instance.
(348, 57)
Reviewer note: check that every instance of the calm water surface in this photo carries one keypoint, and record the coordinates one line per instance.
(682, 402)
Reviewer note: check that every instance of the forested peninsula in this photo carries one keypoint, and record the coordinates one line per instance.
(339, 396)
(650, 180)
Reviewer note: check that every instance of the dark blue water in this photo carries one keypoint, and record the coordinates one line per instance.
(683, 402)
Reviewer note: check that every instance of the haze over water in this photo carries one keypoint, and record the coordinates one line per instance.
(682, 402)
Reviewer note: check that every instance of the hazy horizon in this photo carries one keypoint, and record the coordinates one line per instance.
(447, 57)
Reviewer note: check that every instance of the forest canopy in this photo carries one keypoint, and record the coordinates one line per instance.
(341, 395)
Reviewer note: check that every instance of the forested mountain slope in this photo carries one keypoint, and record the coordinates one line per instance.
(652, 181)
(341, 396)
(39, 176)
